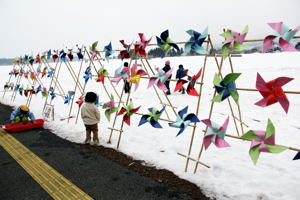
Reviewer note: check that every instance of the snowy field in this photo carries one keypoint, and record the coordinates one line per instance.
(232, 174)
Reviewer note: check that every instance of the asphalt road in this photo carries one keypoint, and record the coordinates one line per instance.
(97, 176)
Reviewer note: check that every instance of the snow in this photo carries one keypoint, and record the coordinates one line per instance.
(232, 174)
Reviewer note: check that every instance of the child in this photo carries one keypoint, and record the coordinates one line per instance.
(166, 68)
(126, 83)
(22, 114)
(91, 117)
(181, 73)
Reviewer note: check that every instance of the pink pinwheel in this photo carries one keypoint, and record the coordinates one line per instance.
(110, 107)
(160, 79)
(281, 37)
(262, 141)
(93, 50)
(135, 75)
(233, 41)
(121, 74)
(215, 134)
(38, 58)
(272, 92)
(140, 46)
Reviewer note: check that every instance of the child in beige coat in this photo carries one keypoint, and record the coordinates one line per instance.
(91, 117)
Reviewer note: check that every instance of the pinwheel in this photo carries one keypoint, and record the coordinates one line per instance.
(108, 51)
(195, 42)
(26, 59)
(52, 93)
(183, 120)
(63, 55)
(87, 74)
(281, 37)
(44, 72)
(121, 74)
(215, 134)
(69, 97)
(38, 58)
(70, 54)
(49, 54)
(38, 89)
(262, 141)
(44, 55)
(152, 117)
(233, 41)
(165, 43)
(160, 78)
(272, 92)
(297, 157)
(38, 69)
(26, 92)
(226, 87)
(79, 53)
(32, 76)
(127, 112)
(44, 92)
(135, 75)
(125, 53)
(21, 90)
(31, 60)
(6, 86)
(93, 50)
(80, 101)
(21, 72)
(54, 56)
(110, 107)
(191, 83)
(140, 46)
(17, 87)
(101, 73)
(50, 72)
(26, 74)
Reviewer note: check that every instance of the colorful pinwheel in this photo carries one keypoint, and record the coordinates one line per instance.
(140, 46)
(44, 92)
(152, 117)
(233, 41)
(93, 50)
(121, 74)
(38, 89)
(79, 53)
(226, 87)
(297, 157)
(49, 54)
(183, 120)
(110, 107)
(101, 73)
(31, 60)
(80, 101)
(32, 76)
(63, 55)
(50, 72)
(21, 90)
(165, 43)
(195, 42)
(272, 92)
(281, 37)
(215, 134)
(191, 84)
(38, 58)
(135, 75)
(54, 56)
(160, 78)
(69, 97)
(262, 141)
(87, 74)
(127, 112)
(108, 51)
(52, 93)
(70, 54)
(44, 71)
(125, 53)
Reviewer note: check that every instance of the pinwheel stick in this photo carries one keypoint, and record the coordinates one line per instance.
(74, 76)
(197, 161)
(56, 82)
(260, 40)
(255, 90)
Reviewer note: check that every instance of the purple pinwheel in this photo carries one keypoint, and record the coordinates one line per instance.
(121, 74)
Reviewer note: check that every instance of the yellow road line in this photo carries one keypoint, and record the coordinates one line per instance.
(54, 183)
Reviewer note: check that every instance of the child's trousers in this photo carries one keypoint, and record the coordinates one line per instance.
(89, 129)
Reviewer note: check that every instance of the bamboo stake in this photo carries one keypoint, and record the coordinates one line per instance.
(72, 72)
(56, 77)
(255, 90)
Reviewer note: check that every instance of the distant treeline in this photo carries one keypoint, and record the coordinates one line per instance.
(158, 52)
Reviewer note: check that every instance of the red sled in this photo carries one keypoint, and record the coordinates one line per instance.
(22, 126)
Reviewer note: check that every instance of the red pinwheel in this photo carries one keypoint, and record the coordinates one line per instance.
(140, 46)
(125, 53)
(272, 92)
(191, 83)
(128, 111)
(80, 101)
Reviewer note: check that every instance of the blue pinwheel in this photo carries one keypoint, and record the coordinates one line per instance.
(50, 72)
(38, 89)
(152, 117)
(49, 54)
(195, 42)
(165, 43)
(87, 74)
(108, 51)
(79, 53)
(297, 157)
(69, 97)
(226, 87)
(63, 55)
(183, 120)
(52, 93)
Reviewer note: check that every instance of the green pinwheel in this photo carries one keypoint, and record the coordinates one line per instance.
(127, 112)
(110, 107)
(152, 117)
(262, 141)
(226, 87)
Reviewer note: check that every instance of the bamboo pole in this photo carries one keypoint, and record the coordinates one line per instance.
(72, 72)
(56, 78)
(197, 110)
(255, 90)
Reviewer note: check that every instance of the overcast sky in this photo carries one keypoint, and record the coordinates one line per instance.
(32, 26)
